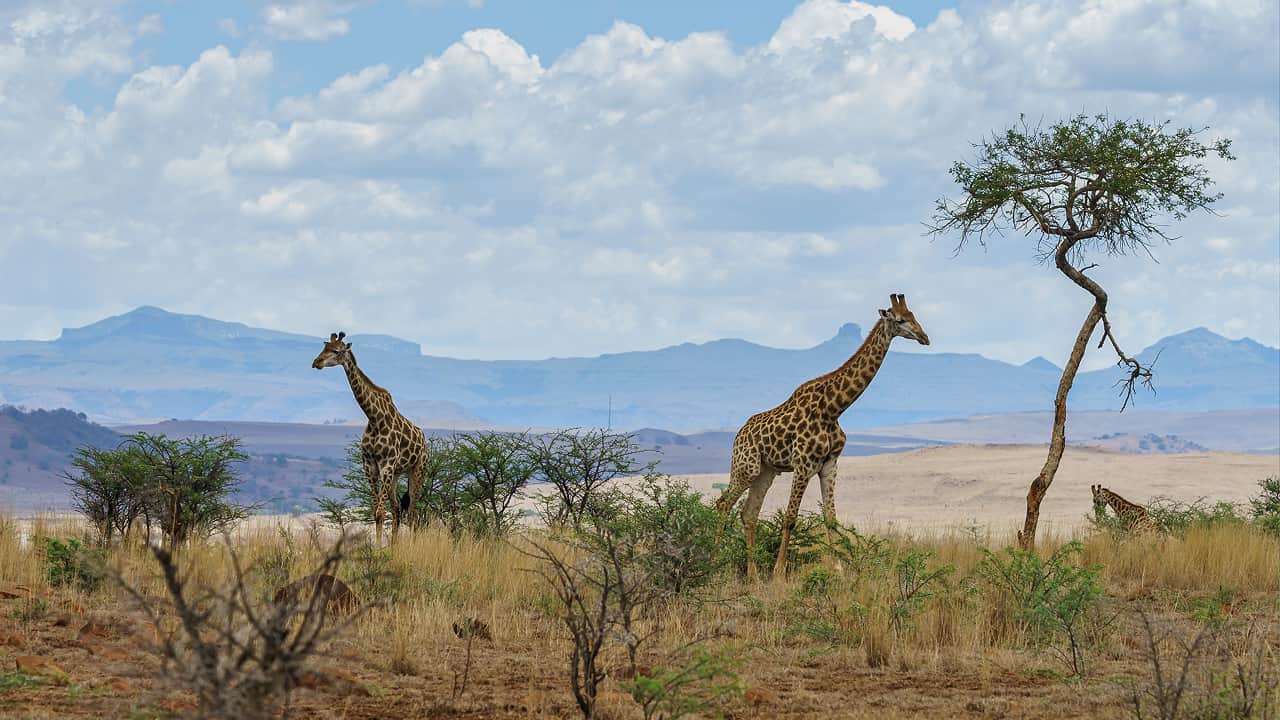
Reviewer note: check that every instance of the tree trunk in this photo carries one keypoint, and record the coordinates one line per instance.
(1058, 438)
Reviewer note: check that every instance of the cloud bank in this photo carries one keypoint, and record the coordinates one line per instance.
(634, 192)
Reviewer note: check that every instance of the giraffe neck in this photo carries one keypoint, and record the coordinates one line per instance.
(1120, 506)
(843, 386)
(366, 393)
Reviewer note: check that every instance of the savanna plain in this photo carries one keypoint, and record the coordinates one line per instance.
(919, 607)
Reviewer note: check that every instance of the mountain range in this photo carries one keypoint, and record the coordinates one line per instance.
(150, 364)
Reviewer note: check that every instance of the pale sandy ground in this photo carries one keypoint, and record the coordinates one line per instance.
(954, 487)
(951, 487)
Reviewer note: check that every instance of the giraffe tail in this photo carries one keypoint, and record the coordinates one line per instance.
(404, 502)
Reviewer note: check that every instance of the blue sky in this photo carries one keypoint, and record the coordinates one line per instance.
(513, 179)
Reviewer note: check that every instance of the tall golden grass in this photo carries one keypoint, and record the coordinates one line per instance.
(440, 580)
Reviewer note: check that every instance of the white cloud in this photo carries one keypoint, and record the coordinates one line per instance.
(308, 19)
(637, 191)
(815, 21)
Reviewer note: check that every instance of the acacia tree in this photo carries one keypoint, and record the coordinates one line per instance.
(188, 481)
(579, 464)
(108, 488)
(1083, 187)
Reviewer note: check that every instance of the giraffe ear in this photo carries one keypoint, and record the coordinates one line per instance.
(884, 313)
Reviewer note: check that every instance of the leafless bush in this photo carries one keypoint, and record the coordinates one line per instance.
(241, 658)
(584, 591)
(1219, 672)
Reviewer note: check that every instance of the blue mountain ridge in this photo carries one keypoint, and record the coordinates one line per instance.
(150, 364)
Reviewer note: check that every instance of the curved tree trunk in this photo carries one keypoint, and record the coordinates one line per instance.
(1058, 438)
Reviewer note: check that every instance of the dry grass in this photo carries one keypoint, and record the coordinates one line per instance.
(961, 656)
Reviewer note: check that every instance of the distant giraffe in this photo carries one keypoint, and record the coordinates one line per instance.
(803, 435)
(391, 446)
(1135, 517)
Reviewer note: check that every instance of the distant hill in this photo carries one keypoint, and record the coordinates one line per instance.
(34, 448)
(149, 364)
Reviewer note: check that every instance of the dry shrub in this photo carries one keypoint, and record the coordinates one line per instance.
(239, 657)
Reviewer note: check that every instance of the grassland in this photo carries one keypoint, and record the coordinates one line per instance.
(799, 651)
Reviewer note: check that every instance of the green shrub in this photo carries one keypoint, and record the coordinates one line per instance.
(1178, 517)
(673, 531)
(695, 686)
(1212, 610)
(1265, 507)
(1051, 598)
(808, 538)
(69, 563)
(917, 583)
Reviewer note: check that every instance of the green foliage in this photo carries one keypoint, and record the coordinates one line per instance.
(374, 575)
(1178, 517)
(808, 539)
(1049, 597)
(1213, 610)
(696, 686)
(672, 529)
(878, 579)
(1100, 182)
(110, 487)
(30, 610)
(496, 467)
(578, 464)
(180, 485)
(916, 584)
(861, 555)
(276, 568)
(68, 563)
(470, 484)
(11, 681)
(1265, 507)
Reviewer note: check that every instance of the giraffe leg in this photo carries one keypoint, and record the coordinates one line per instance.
(409, 502)
(751, 515)
(388, 497)
(373, 475)
(745, 468)
(798, 484)
(827, 479)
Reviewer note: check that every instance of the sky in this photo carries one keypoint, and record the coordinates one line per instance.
(519, 179)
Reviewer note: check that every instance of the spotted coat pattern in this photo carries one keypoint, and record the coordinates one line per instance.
(391, 446)
(1136, 518)
(803, 435)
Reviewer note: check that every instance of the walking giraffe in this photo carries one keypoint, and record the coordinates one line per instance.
(803, 435)
(1135, 518)
(391, 446)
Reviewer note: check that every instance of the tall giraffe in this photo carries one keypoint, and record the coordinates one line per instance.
(1135, 517)
(391, 446)
(803, 435)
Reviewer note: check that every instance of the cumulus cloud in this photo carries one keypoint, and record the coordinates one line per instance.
(636, 191)
(307, 19)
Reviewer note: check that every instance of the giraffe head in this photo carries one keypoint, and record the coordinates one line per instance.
(1099, 498)
(334, 352)
(901, 322)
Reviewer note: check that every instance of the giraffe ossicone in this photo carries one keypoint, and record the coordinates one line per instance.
(391, 445)
(803, 435)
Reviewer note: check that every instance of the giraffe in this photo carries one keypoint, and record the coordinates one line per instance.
(391, 446)
(803, 435)
(1135, 517)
